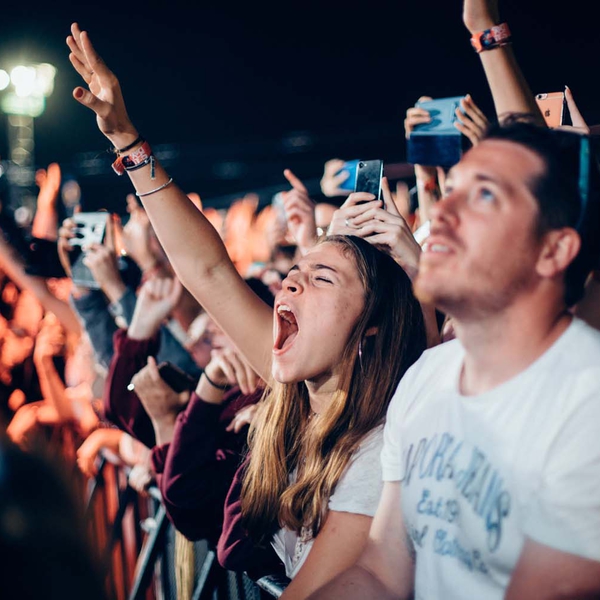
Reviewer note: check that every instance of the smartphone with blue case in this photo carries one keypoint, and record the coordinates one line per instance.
(437, 143)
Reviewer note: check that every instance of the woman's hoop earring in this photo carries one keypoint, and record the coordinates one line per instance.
(360, 355)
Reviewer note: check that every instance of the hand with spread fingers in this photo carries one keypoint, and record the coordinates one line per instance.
(471, 121)
(300, 213)
(380, 227)
(332, 178)
(103, 95)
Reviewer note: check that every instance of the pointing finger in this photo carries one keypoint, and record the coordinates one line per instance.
(294, 181)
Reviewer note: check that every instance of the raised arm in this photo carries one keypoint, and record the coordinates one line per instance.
(509, 88)
(193, 246)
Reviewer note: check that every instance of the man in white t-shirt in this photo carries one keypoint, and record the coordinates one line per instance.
(491, 458)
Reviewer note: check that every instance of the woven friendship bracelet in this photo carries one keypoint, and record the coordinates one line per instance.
(495, 37)
(135, 160)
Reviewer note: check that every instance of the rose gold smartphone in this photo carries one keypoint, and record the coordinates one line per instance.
(552, 107)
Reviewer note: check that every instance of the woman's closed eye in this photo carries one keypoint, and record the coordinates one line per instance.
(321, 278)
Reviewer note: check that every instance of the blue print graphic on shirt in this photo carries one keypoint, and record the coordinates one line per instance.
(444, 458)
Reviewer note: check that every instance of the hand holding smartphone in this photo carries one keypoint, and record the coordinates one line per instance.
(177, 379)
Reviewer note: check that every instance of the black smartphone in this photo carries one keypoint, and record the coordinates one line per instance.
(368, 177)
(177, 379)
(42, 259)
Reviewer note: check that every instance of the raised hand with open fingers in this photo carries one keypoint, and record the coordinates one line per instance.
(103, 95)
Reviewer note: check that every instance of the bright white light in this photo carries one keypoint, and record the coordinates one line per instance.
(23, 79)
(4, 79)
(44, 79)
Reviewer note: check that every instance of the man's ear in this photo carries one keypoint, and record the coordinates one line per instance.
(559, 249)
(371, 331)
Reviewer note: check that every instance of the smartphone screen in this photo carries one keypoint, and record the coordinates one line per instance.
(90, 228)
(552, 107)
(368, 177)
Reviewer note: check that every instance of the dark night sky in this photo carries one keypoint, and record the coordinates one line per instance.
(219, 81)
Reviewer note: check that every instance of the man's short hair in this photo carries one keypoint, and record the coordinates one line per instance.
(557, 191)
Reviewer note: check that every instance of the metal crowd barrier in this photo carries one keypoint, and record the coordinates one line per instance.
(135, 543)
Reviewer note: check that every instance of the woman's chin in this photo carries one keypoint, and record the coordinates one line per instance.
(283, 374)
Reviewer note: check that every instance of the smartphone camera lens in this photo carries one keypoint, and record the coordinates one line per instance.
(361, 165)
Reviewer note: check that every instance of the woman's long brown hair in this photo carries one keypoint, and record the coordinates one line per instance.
(285, 439)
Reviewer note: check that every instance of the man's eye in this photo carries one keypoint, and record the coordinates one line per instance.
(487, 195)
(447, 191)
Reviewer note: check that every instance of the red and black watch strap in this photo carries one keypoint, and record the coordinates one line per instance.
(139, 157)
(495, 37)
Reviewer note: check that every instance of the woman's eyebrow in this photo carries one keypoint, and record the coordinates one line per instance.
(318, 266)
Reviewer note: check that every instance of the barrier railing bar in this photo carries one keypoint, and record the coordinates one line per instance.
(273, 584)
(150, 550)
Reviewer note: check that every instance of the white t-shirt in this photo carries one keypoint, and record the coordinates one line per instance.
(479, 473)
(358, 491)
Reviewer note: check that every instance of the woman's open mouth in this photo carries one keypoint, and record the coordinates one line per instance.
(287, 329)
